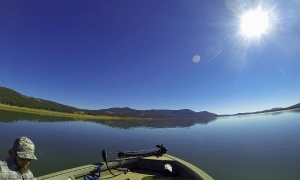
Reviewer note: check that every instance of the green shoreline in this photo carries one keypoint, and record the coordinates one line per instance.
(62, 114)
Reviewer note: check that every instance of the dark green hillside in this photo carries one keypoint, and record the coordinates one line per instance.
(11, 97)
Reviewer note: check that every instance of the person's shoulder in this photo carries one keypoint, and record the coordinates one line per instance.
(2, 163)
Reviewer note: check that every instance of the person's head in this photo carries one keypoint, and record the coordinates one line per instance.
(23, 153)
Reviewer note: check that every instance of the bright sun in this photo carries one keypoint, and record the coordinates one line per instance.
(254, 23)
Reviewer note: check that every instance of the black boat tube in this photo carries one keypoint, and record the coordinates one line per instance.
(157, 152)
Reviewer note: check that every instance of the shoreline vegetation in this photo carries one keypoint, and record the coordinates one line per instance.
(62, 114)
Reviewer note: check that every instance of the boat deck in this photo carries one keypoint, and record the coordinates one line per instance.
(145, 168)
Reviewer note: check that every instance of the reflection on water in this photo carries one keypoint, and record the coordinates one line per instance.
(160, 123)
(10, 116)
(264, 146)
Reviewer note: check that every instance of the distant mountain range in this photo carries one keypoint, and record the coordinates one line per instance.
(11, 97)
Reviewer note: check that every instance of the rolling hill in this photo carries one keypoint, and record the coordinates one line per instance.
(11, 97)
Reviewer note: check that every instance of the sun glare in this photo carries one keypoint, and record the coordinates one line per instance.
(254, 23)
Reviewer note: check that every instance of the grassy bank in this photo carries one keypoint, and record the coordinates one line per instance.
(54, 113)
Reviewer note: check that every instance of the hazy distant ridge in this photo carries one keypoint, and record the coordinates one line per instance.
(11, 97)
(295, 106)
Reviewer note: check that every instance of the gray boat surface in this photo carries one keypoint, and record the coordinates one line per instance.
(155, 166)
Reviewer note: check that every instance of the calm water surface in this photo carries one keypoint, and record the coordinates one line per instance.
(265, 146)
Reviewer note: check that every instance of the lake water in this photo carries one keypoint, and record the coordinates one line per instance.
(265, 146)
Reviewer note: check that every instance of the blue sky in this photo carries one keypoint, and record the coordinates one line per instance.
(139, 54)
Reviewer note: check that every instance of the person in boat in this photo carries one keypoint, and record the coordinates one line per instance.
(16, 165)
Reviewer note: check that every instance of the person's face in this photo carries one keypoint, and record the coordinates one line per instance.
(21, 163)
